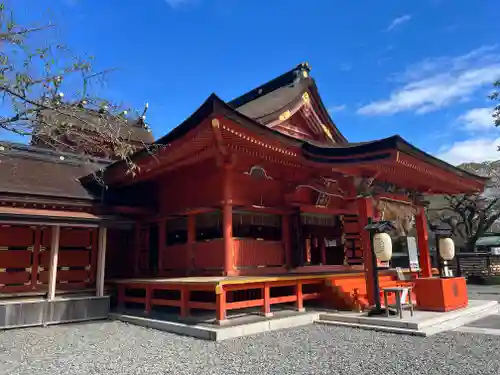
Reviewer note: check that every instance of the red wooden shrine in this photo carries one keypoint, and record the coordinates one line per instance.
(264, 187)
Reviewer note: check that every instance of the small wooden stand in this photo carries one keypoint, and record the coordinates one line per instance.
(441, 294)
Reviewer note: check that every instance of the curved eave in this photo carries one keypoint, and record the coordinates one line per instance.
(338, 134)
(397, 152)
(212, 107)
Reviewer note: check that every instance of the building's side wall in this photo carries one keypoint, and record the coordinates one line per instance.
(25, 258)
(190, 187)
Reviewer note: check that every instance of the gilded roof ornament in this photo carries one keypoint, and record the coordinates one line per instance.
(327, 132)
(285, 115)
(306, 98)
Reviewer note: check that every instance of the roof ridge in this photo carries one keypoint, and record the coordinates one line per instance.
(299, 72)
(39, 153)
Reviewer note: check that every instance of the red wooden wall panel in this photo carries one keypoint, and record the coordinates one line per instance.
(209, 254)
(67, 258)
(8, 278)
(14, 236)
(252, 253)
(15, 258)
(174, 257)
(195, 186)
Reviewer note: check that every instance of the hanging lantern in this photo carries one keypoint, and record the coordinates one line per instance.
(446, 248)
(382, 246)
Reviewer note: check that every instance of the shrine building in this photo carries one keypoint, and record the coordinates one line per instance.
(254, 202)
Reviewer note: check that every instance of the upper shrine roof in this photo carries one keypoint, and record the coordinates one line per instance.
(292, 105)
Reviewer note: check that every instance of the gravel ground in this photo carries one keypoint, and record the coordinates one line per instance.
(117, 348)
(488, 292)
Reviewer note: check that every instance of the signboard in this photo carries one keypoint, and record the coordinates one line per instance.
(411, 243)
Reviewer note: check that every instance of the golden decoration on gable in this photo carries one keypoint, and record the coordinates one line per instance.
(306, 98)
(285, 115)
(215, 123)
(327, 132)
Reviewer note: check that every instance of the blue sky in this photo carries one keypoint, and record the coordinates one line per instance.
(421, 69)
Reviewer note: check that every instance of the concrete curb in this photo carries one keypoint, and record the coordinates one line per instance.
(220, 333)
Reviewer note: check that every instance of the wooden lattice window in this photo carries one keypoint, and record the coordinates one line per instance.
(247, 224)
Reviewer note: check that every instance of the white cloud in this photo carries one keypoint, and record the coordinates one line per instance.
(477, 119)
(337, 108)
(436, 83)
(471, 150)
(398, 21)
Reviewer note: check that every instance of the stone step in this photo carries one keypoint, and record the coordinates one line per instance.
(427, 323)
(404, 331)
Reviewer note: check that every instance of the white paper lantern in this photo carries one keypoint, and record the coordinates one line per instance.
(446, 248)
(382, 246)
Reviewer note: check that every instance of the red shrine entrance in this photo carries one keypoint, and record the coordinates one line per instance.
(262, 194)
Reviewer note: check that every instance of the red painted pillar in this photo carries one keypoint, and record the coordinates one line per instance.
(185, 299)
(299, 303)
(162, 242)
(266, 308)
(423, 243)
(191, 239)
(137, 249)
(285, 237)
(365, 211)
(220, 312)
(148, 299)
(228, 222)
(323, 249)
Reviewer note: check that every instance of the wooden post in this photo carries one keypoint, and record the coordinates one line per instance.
(299, 304)
(191, 239)
(365, 211)
(266, 308)
(185, 297)
(54, 251)
(285, 238)
(323, 249)
(148, 299)
(121, 296)
(137, 247)
(162, 243)
(101, 261)
(36, 257)
(220, 305)
(94, 233)
(423, 243)
(228, 223)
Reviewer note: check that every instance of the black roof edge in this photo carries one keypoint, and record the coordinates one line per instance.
(395, 142)
(284, 80)
(226, 110)
(407, 147)
(274, 84)
(315, 89)
(180, 130)
(362, 148)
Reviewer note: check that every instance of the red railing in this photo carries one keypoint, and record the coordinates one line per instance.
(224, 295)
(250, 252)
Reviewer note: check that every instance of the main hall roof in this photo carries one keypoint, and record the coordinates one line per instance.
(33, 171)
